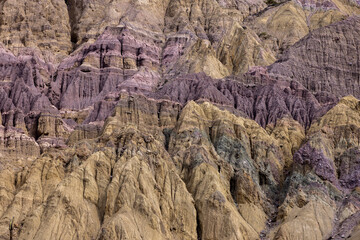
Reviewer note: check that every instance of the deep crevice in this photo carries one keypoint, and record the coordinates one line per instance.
(74, 37)
(233, 188)
(211, 135)
(159, 114)
(167, 134)
(198, 225)
(262, 179)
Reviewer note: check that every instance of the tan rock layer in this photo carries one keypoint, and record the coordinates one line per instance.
(218, 171)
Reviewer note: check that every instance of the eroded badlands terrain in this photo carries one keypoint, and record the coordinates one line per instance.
(179, 119)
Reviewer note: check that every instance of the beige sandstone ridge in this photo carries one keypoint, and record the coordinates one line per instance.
(132, 187)
(283, 25)
(38, 24)
(215, 176)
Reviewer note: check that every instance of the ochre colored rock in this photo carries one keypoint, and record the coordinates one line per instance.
(42, 25)
(179, 119)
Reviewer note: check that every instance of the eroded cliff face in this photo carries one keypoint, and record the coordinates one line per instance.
(335, 71)
(282, 25)
(179, 119)
(43, 25)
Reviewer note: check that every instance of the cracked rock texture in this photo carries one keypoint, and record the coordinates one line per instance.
(337, 70)
(179, 119)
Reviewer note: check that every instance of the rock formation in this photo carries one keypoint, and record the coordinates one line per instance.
(179, 119)
(334, 72)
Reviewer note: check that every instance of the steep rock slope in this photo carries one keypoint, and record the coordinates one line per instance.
(99, 175)
(37, 24)
(325, 175)
(325, 60)
(213, 165)
(281, 25)
(163, 120)
(195, 23)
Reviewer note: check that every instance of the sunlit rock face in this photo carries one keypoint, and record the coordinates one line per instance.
(179, 119)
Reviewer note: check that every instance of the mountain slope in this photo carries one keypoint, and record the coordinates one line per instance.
(179, 119)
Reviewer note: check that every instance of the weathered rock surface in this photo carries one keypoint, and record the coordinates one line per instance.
(269, 100)
(166, 120)
(325, 60)
(213, 159)
(325, 178)
(173, 193)
(43, 25)
(122, 58)
(282, 25)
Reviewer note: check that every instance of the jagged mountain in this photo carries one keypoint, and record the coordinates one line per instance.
(179, 119)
